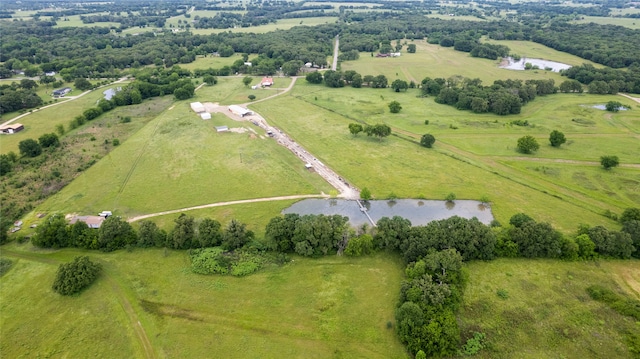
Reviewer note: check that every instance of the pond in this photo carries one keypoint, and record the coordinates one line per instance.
(510, 64)
(604, 107)
(419, 212)
(109, 93)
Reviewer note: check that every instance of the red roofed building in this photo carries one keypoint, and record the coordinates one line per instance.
(266, 81)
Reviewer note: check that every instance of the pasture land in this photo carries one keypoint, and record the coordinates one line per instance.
(535, 50)
(316, 308)
(400, 166)
(179, 160)
(75, 21)
(544, 310)
(282, 24)
(436, 61)
(214, 62)
(619, 21)
(45, 120)
(230, 90)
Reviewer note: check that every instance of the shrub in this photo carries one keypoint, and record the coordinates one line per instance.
(5, 265)
(75, 276)
(502, 294)
(474, 344)
(527, 144)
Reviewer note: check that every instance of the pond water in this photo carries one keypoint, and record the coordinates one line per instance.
(510, 64)
(604, 107)
(109, 93)
(419, 212)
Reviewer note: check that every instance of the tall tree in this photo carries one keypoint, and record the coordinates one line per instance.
(556, 138)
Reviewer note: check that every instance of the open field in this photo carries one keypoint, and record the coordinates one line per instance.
(45, 120)
(547, 312)
(620, 21)
(230, 90)
(214, 62)
(75, 21)
(181, 158)
(315, 308)
(532, 49)
(408, 170)
(282, 24)
(436, 61)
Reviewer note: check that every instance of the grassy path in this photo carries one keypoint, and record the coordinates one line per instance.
(141, 334)
(228, 203)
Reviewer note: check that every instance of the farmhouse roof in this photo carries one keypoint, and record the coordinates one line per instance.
(11, 128)
(91, 221)
(266, 81)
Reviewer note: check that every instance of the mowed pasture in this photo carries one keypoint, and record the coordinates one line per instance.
(281, 24)
(179, 160)
(436, 61)
(399, 166)
(544, 311)
(230, 90)
(315, 308)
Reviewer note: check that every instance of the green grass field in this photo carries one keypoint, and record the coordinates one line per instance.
(231, 90)
(532, 49)
(282, 24)
(45, 120)
(316, 308)
(221, 166)
(620, 21)
(547, 312)
(460, 164)
(436, 61)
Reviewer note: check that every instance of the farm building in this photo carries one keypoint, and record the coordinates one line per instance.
(197, 107)
(61, 92)
(222, 128)
(11, 128)
(240, 111)
(266, 81)
(205, 116)
(91, 221)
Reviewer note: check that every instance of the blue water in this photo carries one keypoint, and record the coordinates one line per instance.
(419, 212)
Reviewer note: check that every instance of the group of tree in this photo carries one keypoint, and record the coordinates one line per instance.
(502, 98)
(33, 148)
(352, 78)
(116, 233)
(606, 80)
(75, 276)
(19, 96)
(379, 130)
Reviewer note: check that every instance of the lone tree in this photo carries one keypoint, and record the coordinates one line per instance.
(210, 80)
(398, 85)
(75, 276)
(314, 77)
(247, 81)
(556, 138)
(30, 148)
(394, 107)
(252, 97)
(609, 162)
(427, 140)
(365, 194)
(528, 144)
(613, 106)
(355, 128)
(411, 48)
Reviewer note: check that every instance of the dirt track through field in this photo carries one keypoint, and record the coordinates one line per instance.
(228, 203)
(141, 334)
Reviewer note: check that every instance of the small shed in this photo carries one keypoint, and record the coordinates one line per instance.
(205, 116)
(222, 128)
(11, 128)
(266, 81)
(197, 107)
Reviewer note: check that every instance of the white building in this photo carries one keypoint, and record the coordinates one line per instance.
(197, 107)
(240, 111)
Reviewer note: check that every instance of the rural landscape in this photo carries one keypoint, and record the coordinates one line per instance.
(320, 179)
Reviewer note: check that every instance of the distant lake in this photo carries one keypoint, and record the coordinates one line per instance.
(419, 212)
(511, 64)
(109, 93)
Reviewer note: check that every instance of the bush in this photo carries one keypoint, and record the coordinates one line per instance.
(609, 162)
(5, 265)
(527, 144)
(75, 276)
(474, 344)
(427, 140)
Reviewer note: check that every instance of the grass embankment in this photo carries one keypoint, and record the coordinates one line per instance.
(436, 61)
(316, 308)
(540, 308)
(408, 170)
(179, 161)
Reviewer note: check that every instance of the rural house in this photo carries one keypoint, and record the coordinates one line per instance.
(92, 221)
(61, 92)
(266, 81)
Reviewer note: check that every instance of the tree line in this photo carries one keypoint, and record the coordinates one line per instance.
(434, 253)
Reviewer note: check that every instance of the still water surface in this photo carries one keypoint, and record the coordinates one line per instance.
(419, 212)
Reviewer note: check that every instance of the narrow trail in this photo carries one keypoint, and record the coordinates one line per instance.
(336, 47)
(636, 99)
(228, 203)
(141, 334)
